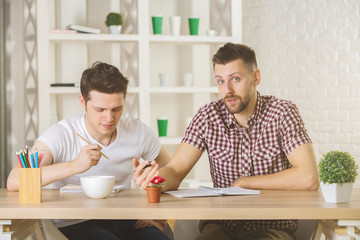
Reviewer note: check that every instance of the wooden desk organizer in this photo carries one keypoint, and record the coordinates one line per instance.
(30, 185)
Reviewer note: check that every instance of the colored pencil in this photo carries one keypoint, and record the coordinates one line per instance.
(90, 143)
(36, 158)
(41, 156)
(32, 160)
(21, 163)
(22, 160)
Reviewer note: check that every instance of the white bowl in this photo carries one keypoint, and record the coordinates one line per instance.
(97, 186)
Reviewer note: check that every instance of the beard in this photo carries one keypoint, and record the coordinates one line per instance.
(240, 104)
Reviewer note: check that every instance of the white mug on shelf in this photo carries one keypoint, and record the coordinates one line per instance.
(164, 79)
(187, 79)
(175, 22)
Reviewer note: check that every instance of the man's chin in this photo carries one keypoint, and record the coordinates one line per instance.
(235, 109)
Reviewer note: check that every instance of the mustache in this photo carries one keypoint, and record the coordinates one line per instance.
(231, 96)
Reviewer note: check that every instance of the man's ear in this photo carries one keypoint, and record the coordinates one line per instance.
(82, 101)
(257, 77)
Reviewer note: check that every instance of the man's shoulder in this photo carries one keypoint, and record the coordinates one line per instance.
(275, 106)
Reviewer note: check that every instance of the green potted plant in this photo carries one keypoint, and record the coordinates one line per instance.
(114, 22)
(337, 172)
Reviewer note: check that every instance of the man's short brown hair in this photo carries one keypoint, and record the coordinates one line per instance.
(230, 52)
(104, 78)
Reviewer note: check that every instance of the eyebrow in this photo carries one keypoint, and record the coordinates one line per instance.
(230, 75)
(107, 108)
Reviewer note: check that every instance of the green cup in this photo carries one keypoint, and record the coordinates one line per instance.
(162, 123)
(157, 24)
(193, 25)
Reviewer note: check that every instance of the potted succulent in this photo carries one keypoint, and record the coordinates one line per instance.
(154, 190)
(337, 172)
(114, 22)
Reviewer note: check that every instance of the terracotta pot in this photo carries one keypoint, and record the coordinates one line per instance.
(153, 194)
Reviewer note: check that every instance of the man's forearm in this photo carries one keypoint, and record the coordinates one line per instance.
(289, 179)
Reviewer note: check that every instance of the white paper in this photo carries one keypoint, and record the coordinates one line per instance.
(78, 189)
(203, 191)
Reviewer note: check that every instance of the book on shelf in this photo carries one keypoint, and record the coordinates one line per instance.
(203, 191)
(83, 29)
(78, 189)
(65, 85)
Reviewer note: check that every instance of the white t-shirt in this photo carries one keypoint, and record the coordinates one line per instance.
(133, 139)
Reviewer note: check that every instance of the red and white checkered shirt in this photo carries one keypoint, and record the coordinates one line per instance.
(275, 129)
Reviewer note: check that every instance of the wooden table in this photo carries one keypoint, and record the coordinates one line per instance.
(132, 204)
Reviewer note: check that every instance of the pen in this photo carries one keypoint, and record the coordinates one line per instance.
(147, 165)
(90, 143)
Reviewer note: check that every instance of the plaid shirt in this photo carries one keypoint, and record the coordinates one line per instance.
(275, 129)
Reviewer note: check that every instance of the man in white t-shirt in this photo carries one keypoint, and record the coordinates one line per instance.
(68, 157)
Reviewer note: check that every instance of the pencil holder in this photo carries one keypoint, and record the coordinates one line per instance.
(30, 185)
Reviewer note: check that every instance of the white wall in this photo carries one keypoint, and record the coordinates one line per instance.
(308, 52)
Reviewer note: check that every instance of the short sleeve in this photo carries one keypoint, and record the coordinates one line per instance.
(195, 132)
(292, 130)
(150, 144)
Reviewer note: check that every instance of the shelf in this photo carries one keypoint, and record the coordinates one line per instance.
(183, 39)
(183, 90)
(76, 90)
(56, 37)
(188, 39)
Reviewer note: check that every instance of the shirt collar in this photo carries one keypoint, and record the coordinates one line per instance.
(231, 122)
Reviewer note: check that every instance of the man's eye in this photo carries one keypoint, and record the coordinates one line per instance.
(220, 82)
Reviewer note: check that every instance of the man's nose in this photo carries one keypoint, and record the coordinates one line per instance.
(229, 87)
(109, 115)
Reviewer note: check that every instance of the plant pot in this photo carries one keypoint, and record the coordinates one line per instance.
(153, 194)
(114, 29)
(334, 193)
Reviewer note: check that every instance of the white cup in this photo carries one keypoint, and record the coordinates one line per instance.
(187, 79)
(211, 33)
(175, 22)
(164, 79)
(97, 186)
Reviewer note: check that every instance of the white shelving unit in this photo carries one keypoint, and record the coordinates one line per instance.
(139, 55)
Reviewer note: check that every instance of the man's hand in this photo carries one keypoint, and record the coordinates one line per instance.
(89, 156)
(160, 224)
(142, 175)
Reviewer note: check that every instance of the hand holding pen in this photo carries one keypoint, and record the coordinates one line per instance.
(144, 172)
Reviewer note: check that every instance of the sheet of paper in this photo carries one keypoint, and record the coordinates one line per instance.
(78, 189)
(203, 191)
(231, 190)
(192, 193)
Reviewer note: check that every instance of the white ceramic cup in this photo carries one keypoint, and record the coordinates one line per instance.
(164, 79)
(97, 186)
(175, 23)
(187, 79)
(211, 33)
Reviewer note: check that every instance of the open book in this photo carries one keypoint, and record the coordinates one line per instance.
(77, 189)
(203, 191)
